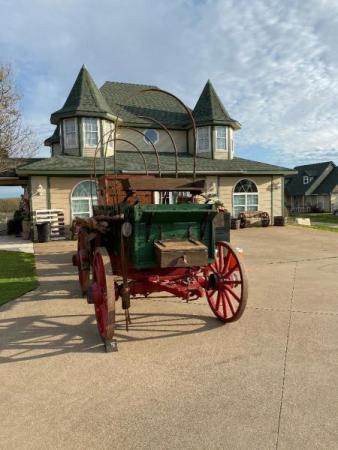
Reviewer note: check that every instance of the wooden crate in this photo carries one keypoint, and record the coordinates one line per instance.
(181, 253)
(56, 219)
(112, 190)
(279, 221)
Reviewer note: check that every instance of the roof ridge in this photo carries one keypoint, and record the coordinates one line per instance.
(130, 84)
(316, 164)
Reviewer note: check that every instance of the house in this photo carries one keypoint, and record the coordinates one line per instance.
(313, 189)
(145, 122)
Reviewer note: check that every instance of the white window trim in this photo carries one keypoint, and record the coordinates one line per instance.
(90, 198)
(84, 132)
(157, 136)
(73, 119)
(209, 140)
(226, 138)
(306, 179)
(244, 193)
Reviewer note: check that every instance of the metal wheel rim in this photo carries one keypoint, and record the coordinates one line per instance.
(105, 307)
(227, 292)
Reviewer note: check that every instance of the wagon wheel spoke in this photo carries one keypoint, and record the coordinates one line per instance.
(229, 303)
(220, 259)
(224, 306)
(218, 300)
(235, 296)
(226, 284)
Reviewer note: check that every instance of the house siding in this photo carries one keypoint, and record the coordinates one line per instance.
(269, 200)
(164, 144)
(60, 191)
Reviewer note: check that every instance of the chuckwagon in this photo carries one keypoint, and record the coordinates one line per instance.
(132, 247)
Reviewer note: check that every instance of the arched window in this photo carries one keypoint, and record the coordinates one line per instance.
(83, 198)
(245, 197)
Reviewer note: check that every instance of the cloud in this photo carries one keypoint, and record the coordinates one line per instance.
(274, 64)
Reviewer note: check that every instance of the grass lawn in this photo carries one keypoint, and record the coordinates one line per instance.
(17, 275)
(318, 217)
(317, 227)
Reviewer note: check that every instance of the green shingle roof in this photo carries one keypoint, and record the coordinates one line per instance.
(329, 183)
(294, 183)
(209, 109)
(131, 162)
(54, 138)
(128, 102)
(84, 99)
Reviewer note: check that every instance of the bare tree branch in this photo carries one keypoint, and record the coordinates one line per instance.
(16, 140)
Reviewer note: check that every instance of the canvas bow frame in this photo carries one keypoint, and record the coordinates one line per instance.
(111, 136)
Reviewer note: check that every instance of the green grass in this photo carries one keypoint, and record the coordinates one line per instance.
(317, 227)
(17, 275)
(325, 228)
(318, 217)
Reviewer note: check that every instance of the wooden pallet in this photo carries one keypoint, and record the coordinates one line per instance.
(56, 219)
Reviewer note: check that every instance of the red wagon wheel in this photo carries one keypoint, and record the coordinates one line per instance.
(226, 284)
(83, 262)
(103, 295)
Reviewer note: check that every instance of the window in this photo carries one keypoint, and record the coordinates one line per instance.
(221, 141)
(70, 131)
(83, 198)
(245, 197)
(90, 132)
(171, 197)
(203, 139)
(151, 136)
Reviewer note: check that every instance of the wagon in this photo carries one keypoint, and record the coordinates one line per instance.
(132, 248)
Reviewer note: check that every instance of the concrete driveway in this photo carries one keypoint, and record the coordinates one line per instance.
(180, 379)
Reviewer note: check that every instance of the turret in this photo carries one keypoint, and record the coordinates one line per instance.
(82, 121)
(215, 128)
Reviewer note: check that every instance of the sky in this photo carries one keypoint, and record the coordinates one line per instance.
(274, 64)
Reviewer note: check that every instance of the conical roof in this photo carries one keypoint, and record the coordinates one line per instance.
(209, 109)
(84, 99)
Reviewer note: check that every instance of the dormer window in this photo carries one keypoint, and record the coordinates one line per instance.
(70, 132)
(203, 139)
(90, 126)
(305, 179)
(221, 141)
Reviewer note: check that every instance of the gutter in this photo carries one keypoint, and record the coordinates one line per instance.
(210, 172)
(155, 172)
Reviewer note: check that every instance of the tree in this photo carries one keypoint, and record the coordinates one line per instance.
(16, 140)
